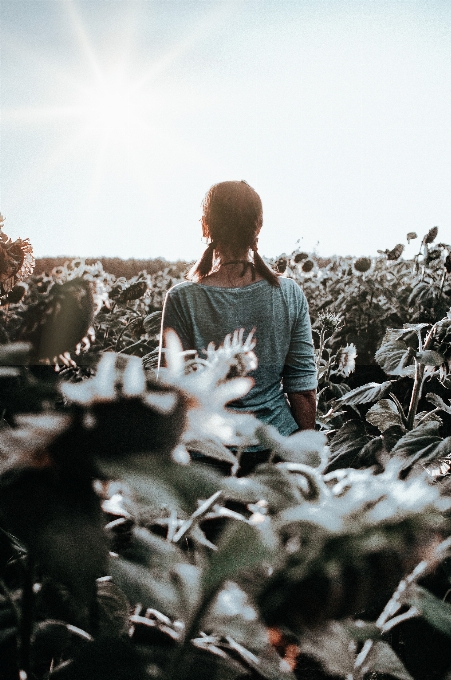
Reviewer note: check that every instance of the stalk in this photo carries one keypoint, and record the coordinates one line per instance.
(442, 283)
(418, 382)
(416, 394)
(26, 619)
(130, 323)
(177, 669)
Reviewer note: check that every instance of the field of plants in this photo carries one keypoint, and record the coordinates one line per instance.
(124, 555)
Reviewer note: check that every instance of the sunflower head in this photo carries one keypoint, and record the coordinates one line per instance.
(308, 266)
(329, 322)
(362, 264)
(346, 360)
(16, 260)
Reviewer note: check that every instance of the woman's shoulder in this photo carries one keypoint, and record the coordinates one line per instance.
(290, 285)
(181, 288)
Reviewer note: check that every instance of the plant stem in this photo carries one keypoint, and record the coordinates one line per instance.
(119, 337)
(400, 408)
(26, 618)
(442, 283)
(177, 669)
(416, 393)
(201, 510)
(135, 344)
(418, 382)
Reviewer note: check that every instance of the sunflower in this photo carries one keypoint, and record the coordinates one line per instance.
(362, 264)
(16, 260)
(346, 360)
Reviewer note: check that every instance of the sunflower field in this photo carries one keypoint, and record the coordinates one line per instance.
(133, 542)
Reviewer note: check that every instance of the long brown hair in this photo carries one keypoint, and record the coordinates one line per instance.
(232, 216)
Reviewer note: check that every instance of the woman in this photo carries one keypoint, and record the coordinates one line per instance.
(231, 287)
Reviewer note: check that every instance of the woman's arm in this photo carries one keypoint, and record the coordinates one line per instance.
(303, 408)
(172, 317)
(299, 373)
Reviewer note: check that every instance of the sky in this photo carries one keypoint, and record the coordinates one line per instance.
(118, 115)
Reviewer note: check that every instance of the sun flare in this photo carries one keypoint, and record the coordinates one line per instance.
(114, 105)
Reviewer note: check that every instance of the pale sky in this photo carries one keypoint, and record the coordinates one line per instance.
(118, 115)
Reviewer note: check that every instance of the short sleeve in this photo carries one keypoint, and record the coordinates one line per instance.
(174, 317)
(299, 373)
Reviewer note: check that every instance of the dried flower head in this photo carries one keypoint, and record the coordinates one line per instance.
(281, 265)
(329, 321)
(395, 253)
(431, 235)
(16, 260)
(362, 264)
(308, 266)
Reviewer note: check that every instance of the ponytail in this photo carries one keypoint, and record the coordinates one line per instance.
(264, 270)
(203, 266)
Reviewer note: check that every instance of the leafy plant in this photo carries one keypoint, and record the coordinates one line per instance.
(203, 564)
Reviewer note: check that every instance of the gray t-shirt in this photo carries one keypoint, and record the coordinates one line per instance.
(201, 314)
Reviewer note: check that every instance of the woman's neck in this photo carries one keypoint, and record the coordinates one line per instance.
(233, 272)
(228, 256)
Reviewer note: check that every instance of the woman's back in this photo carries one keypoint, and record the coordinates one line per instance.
(201, 313)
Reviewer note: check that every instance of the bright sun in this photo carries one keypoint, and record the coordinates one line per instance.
(114, 106)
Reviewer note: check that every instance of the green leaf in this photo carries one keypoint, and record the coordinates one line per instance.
(422, 294)
(211, 448)
(187, 580)
(65, 321)
(368, 455)
(435, 611)
(429, 357)
(393, 334)
(153, 552)
(391, 436)
(363, 630)
(281, 489)
(384, 414)
(420, 442)
(438, 402)
(382, 659)
(393, 357)
(152, 322)
(113, 609)
(243, 489)
(426, 417)
(366, 393)
(302, 447)
(234, 614)
(331, 646)
(346, 445)
(338, 389)
(162, 482)
(140, 585)
(241, 547)
(443, 450)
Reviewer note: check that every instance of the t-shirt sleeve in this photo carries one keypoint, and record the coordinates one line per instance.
(299, 373)
(175, 318)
